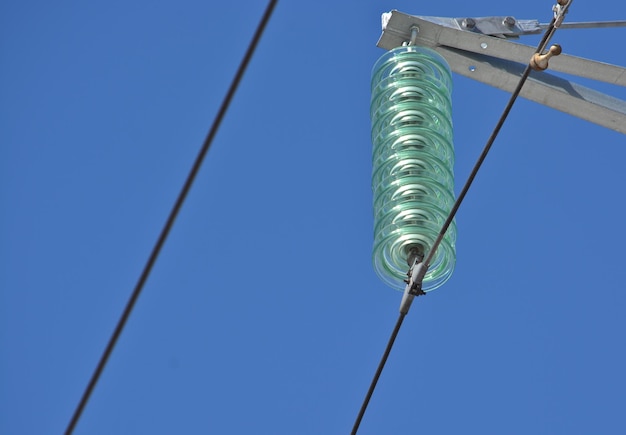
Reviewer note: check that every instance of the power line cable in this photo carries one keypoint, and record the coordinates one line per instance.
(379, 370)
(405, 307)
(172, 217)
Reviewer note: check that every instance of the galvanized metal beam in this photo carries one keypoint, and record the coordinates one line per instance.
(479, 48)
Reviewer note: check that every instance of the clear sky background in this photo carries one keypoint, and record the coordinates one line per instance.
(263, 314)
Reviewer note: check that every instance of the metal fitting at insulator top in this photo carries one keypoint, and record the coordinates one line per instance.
(414, 31)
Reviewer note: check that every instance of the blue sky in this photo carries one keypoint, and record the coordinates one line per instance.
(263, 314)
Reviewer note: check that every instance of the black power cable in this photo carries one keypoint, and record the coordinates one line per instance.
(172, 217)
(379, 370)
(544, 42)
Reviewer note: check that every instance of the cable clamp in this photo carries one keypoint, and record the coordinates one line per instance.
(413, 287)
(560, 9)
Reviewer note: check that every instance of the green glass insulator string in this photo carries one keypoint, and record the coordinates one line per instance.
(413, 157)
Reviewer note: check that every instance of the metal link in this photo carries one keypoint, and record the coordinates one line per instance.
(560, 9)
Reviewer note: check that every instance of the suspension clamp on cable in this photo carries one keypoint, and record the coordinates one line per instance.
(413, 286)
(560, 9)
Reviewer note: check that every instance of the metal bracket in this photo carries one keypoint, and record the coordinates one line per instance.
(480, 49)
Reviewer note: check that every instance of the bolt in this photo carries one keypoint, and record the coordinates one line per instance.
(509, 21)
(469, 23)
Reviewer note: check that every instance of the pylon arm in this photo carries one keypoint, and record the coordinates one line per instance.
(493, 59)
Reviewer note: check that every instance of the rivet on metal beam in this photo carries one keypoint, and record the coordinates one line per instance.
(468, 23)
(509, 21)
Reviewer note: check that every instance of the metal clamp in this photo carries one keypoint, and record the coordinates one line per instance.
(560, 9)
(413, 287)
